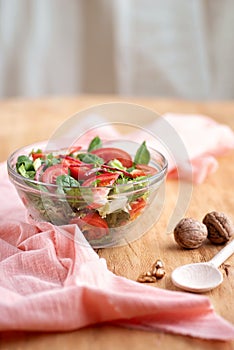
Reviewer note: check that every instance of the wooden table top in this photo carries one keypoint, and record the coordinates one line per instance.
(25, 121)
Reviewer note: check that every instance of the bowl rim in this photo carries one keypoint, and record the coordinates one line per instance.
(17, 177)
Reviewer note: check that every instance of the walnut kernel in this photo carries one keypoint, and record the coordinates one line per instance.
(190, 233)
(219, 226)
(159, 264)
(146, 279)
(160, 273)
(156, 272)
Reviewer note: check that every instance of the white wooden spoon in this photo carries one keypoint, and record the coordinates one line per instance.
(201, 277)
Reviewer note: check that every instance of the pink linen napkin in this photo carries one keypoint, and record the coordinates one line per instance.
(51, 281)
(204, 140)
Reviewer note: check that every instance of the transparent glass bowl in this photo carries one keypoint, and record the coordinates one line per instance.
(144, 199)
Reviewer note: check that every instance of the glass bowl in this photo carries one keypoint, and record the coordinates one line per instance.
(107, 216)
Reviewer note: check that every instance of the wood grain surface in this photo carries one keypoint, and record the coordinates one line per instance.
(26, 121)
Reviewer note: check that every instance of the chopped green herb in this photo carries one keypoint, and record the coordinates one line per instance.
(115, 163)
(51, 160)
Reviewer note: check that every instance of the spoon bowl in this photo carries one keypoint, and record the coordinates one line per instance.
(202, 277)
(199, 277)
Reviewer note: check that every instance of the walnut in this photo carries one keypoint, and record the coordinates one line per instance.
(219, 226)
(190, 233)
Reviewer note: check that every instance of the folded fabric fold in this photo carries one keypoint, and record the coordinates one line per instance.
(55, 283)
(204, 139)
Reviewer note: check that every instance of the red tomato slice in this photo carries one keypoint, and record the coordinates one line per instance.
(36, 155)
(51, 173)
(136, 208)
(77, 168)
(110, 153)
(106, 179)
(80, 172)
(99, 192)
(126, 173)
(136, 173)
(147, 169)
(68, 160)
(92, 225)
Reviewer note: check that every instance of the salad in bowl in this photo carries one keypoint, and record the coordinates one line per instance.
(104, 188)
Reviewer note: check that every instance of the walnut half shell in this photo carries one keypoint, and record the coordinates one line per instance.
(219, 226)
(190, 233)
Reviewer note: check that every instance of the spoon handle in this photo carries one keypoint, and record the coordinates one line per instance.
(223, 254)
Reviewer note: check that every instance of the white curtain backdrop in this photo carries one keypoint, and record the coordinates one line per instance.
(170, 48)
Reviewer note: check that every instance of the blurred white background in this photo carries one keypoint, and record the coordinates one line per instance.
(169, 48)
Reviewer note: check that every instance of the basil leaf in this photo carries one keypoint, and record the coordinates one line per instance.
(66, 181)
(142, 155)
(95, 144)
(90, 158)
(29, 174)
(26, 161)
(25, 167)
